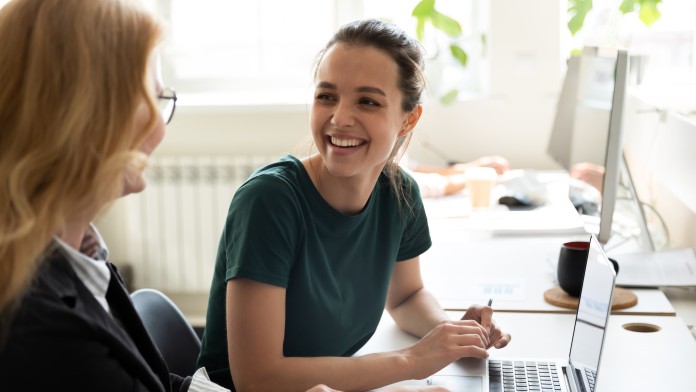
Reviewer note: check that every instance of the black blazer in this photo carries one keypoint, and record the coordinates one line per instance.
(60, 338)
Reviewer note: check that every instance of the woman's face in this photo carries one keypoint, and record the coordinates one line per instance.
(142, 117)
(356, 115)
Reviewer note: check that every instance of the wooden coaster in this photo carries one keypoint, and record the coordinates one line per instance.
(622, 298)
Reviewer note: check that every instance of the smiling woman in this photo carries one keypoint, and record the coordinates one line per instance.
(314, 249)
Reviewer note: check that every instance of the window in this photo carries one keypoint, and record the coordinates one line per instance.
(442, 70)
(259, 52)
(666, 50)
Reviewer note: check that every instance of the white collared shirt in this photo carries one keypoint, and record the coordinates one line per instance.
(92, 271)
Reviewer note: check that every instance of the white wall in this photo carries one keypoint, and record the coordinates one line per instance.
(659, 146)
(236, 130)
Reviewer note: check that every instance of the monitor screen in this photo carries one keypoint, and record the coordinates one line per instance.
(586, 136)
(582, 114)
(562, 132)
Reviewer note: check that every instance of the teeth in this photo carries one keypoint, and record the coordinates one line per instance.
(345, 142)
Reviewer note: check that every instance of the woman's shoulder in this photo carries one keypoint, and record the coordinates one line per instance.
(407, 178)
(276, 175)
(406, 183)
(284, 179)
(48, 307)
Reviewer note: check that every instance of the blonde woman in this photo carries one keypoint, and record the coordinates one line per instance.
(81, 108)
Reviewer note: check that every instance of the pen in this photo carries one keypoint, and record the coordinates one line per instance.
(490, 302)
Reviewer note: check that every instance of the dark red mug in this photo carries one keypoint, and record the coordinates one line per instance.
(572, 260)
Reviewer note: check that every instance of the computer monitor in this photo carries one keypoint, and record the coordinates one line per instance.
(559, 146)
(614, 150)
(588, 123)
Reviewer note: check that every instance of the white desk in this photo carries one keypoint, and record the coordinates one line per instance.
(632, 361)
(684, 302)
(465, 267)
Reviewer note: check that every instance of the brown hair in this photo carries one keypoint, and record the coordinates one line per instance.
(73, 74)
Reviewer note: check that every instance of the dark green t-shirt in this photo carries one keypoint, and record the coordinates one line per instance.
(335, 267)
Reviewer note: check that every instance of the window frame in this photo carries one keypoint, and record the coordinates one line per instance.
(225, 91)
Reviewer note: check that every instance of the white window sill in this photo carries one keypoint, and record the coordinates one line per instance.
(286, 101)
(242, 102)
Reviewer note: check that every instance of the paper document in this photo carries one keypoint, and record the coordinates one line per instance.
(675, 267)
(528, 223)
(457, 295)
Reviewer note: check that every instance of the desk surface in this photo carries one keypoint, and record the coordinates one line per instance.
(657, 361)
(465, 267)
(684, 302)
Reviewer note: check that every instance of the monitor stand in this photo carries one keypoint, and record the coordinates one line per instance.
(646, 239)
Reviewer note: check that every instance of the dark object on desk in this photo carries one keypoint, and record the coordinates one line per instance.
(584, 197)
(572, 261)
(585, 207)
(622, 298)
(516, 201)
(173, 334)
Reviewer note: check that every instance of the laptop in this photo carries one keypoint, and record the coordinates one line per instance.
(577, 373)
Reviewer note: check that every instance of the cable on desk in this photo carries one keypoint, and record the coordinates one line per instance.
(665, 229)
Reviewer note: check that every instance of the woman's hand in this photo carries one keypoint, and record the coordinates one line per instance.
(411, 388)
(588, 172)
(446, 343)
(484, 316)
(396, 388)
(500, 164)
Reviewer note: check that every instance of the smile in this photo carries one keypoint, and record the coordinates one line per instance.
(345, 142)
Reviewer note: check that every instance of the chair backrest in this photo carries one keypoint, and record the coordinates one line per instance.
(173, 334)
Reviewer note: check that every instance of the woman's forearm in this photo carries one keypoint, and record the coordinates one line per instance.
(361, 373)
(418, 314)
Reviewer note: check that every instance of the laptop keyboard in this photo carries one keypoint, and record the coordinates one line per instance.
(523, 376)
(591, 376)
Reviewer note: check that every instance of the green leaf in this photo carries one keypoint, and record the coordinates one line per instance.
(458, 53)
(424, 8)
(648, 12)
(578, 9)
(575, 23)
(450, 97)
(420, 28)
(446, 24)
(627, 6)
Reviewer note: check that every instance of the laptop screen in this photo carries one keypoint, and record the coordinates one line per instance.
(593, 313)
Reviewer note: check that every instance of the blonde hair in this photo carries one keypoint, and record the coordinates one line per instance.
(73, 73)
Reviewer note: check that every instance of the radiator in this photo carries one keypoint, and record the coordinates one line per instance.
(174, 226)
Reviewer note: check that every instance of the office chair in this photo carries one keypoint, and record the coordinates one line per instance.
(173, 334)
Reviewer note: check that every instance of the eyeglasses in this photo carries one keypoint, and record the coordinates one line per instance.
(167, 104)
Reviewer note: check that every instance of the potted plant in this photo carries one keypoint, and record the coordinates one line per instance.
(449, 34)
(647, 11)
